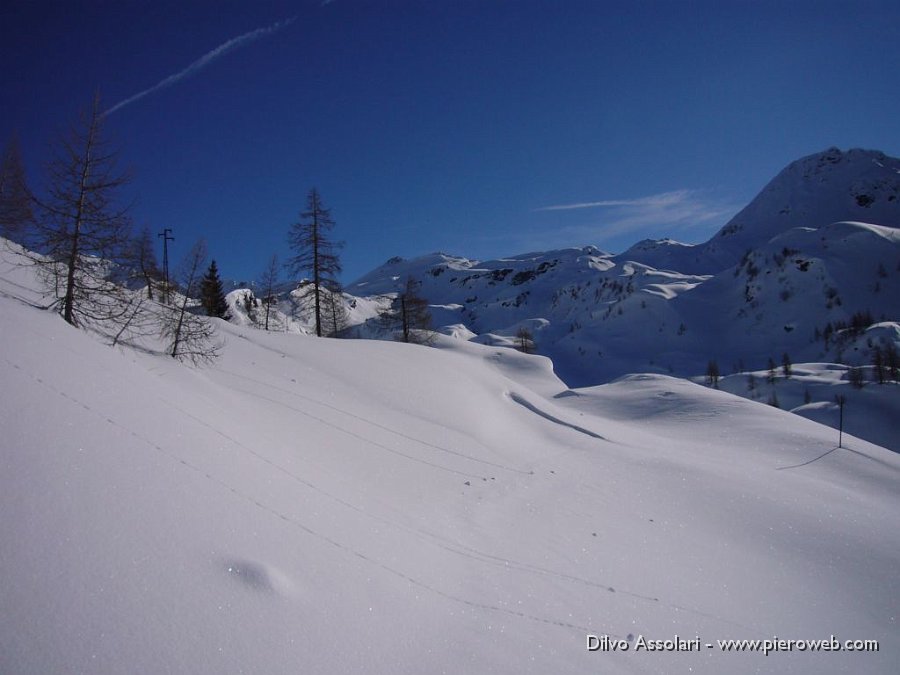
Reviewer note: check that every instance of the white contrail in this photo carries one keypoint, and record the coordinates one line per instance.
(661, 199)
(205, 60)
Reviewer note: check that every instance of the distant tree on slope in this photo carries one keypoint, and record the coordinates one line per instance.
(878, 365)
(315, 254)
(786, 365)
(144, 261)
(212, 293)
(525, 340)
(190, 337)
(334, 312)
(15, 201)
(267, 282)
(712, 374)
(891, 361)
(408, 315)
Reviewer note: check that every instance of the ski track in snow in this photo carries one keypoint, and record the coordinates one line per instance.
(367, 441)
(374, 424)
(442, 542)
(433, 538)
(23, 299)
(302, 526)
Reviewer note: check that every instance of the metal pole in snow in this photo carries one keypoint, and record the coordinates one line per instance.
(166, 239)
(841, 399)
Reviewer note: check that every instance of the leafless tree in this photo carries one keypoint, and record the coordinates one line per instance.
(315, 253)
(15, 202)
(267, 282)
(408, 315)
(712, 374)
(335, 313)
(525, 340)
(139, 319)
(80, 235)
(143, 260)
(190, 337)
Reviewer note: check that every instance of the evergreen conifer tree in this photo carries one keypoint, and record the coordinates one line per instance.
(212, 293)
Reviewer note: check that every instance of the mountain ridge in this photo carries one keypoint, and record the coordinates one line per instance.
(797, 258)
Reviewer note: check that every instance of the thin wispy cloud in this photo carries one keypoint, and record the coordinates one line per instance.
(676, 210)
(205, 60)
(686, 215)
(661, 199)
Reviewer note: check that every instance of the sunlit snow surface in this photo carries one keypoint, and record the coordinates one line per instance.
(322, 506)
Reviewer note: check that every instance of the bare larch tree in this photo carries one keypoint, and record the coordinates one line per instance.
(315, 254)
(80, 236)
(408, 315)
(143, 260)
(334, 311)
(190, 337)
(267, 282)
(15, 202)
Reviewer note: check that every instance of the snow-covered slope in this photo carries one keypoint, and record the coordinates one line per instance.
(328, 506)
(811, 390)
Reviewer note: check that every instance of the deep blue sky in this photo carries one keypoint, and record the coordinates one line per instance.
(439, 125)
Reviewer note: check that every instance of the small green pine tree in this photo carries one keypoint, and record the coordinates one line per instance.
(212, 293)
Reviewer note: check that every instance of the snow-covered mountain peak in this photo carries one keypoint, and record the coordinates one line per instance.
(814, 191)
(833, 161)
